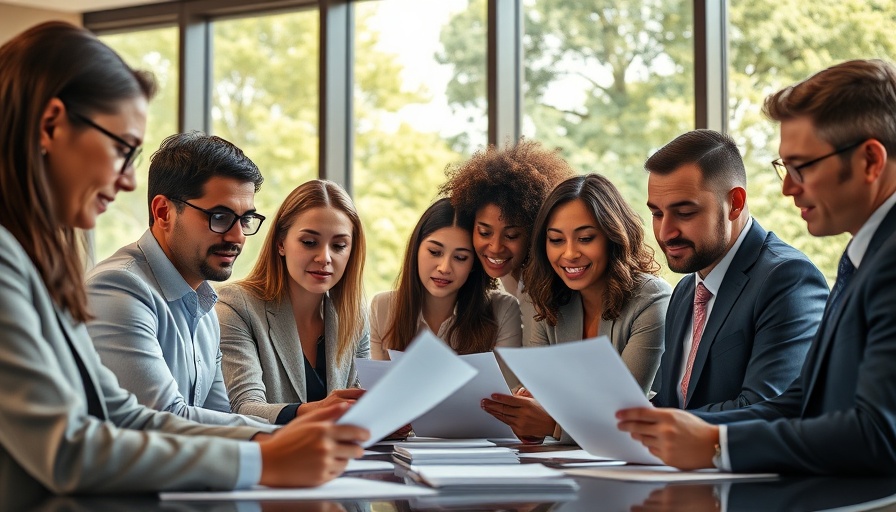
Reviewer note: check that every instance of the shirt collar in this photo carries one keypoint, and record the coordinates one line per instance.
(858, 246)
(171, 283)
(714, 279)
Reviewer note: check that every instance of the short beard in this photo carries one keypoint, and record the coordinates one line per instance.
(705, 257)
(223, 272)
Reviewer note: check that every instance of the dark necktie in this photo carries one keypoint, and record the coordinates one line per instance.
(845, 270)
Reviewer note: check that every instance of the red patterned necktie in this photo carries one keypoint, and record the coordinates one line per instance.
(700, 300)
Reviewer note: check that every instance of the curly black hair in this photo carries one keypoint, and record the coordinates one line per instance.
(516, 179)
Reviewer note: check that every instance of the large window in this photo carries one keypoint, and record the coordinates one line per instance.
(409, 121)
(154, 50)
(609, 82)
(775, 43)
(265, 98)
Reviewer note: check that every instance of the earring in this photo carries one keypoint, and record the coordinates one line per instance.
(43, 151)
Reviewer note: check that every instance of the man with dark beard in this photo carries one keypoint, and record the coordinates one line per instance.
(155, 324)
(739, 324)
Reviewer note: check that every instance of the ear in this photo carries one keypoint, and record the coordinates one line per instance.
(874, 159)
(280, 248)
(54, 114)
(162, 212)
(737, 198)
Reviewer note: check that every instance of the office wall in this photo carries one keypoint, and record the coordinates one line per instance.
(14, 19)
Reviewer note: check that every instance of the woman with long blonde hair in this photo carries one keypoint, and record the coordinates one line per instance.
(290, 331)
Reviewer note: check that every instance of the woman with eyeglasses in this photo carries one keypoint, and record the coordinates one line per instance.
(65, 424)
(291, 330)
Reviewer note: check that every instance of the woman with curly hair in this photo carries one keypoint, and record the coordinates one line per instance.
(442, 288)
(591, 275)
(500, 191)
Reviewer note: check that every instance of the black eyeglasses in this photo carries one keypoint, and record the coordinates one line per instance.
(783, 168)
(133, 153)
(222, 222)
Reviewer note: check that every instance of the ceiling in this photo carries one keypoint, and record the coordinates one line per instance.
(77, 6)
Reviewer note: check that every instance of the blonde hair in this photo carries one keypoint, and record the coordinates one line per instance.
(269, 277)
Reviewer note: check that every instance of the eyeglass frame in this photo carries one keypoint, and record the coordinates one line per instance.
(795, 170)
(134, 152)
(228, 211)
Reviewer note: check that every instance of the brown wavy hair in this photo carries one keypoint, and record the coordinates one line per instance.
(475, 328)
(269, 278)
(629, 258)
(53, 60)
(515, 178)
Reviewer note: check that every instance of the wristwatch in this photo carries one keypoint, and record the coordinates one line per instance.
(717, 457)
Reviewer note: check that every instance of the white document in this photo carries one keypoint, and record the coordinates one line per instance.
(564, 454)
(665, 474)
(581, 385)
(368, 466)
(344, 488)
(522, 475)
(428, 373)
(432, 442)
(461, 415)
(370, 371)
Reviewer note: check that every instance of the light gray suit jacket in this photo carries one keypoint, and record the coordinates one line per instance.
(264, 368)
(46, 436)
(637, 333)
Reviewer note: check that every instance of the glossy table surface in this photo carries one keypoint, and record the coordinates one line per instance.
(785, 494)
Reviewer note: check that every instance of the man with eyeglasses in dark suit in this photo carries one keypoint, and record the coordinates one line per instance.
(838, 163)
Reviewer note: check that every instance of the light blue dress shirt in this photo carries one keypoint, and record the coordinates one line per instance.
(159, 336)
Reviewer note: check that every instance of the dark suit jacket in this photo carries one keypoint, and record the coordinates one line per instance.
(840, 415)
(756, 337)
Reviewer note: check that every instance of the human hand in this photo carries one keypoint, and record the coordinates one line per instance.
(310, 450)
(400, 434)
(522, 413)
(349, 396)
(677, 437)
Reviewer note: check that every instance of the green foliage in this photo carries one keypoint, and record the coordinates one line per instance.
(609, 82)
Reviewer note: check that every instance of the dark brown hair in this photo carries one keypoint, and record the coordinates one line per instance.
(52, 60)
(714, 153)
(847, 103)
(269, 278)
(628, 256)
(475, 328)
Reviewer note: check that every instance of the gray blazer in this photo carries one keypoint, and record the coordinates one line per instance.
(263, 365)
(637, 333)
(46, 436)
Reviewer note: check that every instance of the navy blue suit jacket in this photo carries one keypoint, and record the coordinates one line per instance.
(758, 332)
(840, 415)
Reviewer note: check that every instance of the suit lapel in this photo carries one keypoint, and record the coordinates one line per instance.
(682, 306)
(825, 336)
(284, 336)
(736, 278)
(572, 319)
(82, 353)
(336, 373)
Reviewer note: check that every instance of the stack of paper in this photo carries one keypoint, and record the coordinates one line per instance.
(427, 456)
(529, 478)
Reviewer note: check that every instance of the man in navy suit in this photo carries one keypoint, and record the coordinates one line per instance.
(838, 163)
(739, 324)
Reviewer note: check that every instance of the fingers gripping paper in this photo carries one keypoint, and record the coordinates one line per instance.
(428, 373)
(582, 385)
